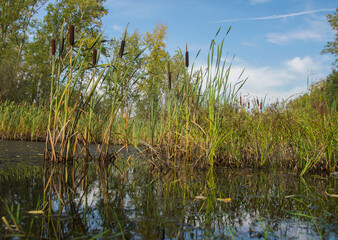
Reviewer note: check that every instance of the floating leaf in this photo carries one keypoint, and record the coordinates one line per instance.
(36, 212)
(7, 224)
(224, 199)
(200, 197)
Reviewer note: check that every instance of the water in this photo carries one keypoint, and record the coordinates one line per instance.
(136, 202)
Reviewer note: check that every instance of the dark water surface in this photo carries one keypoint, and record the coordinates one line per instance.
(88, 200)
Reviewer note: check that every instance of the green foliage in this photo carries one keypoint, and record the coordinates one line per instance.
(16, 22)
(129, 68)
(332, 47)
(85, 15)
(153, 87)
(331, 89)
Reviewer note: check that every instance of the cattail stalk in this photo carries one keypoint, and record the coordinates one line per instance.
(71, 35)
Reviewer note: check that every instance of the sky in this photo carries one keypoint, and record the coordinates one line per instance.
(276, 42)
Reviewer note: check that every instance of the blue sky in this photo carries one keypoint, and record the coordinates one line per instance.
(277, 42)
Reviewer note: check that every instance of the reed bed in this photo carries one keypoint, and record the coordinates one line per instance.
(22, 121)
(205, 123)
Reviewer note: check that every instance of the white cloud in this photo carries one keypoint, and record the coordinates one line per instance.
(280, 82)
(253, 2)
(303, 65)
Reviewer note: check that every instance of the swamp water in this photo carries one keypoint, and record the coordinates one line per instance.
(133, 201)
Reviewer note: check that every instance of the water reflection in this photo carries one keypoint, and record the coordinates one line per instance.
(87, 199)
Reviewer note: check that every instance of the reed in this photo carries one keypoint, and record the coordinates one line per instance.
(22, 121)
(72, 118)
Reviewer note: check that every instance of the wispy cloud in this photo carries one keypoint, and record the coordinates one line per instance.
(316, 30)
(248, 44)
(280, 16)
(280, 38)
(254, 2)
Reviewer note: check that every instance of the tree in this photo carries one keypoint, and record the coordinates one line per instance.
(16, 22)
(127, 69)
(153, 87)
(332, 47)
(331, 89)
(15, 19)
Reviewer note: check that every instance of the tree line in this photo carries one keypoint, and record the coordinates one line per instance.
(25, 50)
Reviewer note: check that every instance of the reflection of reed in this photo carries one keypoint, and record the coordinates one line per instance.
(88, 199)
(79, 195)
(65, 190)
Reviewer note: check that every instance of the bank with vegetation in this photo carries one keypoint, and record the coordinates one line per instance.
(85, 89)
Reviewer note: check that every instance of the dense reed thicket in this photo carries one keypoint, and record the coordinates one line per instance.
(203, 122)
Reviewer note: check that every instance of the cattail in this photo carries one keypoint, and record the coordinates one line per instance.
(123, 43)
(257, 100)
(94, 56)
(240, 100)
(186, 56)
(169, 76)
(248, 105)
(71, 35)
(53, 47)
(261, 106)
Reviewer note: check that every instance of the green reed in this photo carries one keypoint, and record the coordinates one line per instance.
(22, 121)
(72, 117)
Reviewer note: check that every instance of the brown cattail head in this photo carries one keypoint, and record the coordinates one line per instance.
(71, 35)
(62, 45)
(94, 56)
(169, 76)
(261, 106)
(186, 56)
(248, 104)
(53, 47)
(123, 43)
(240, 100)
